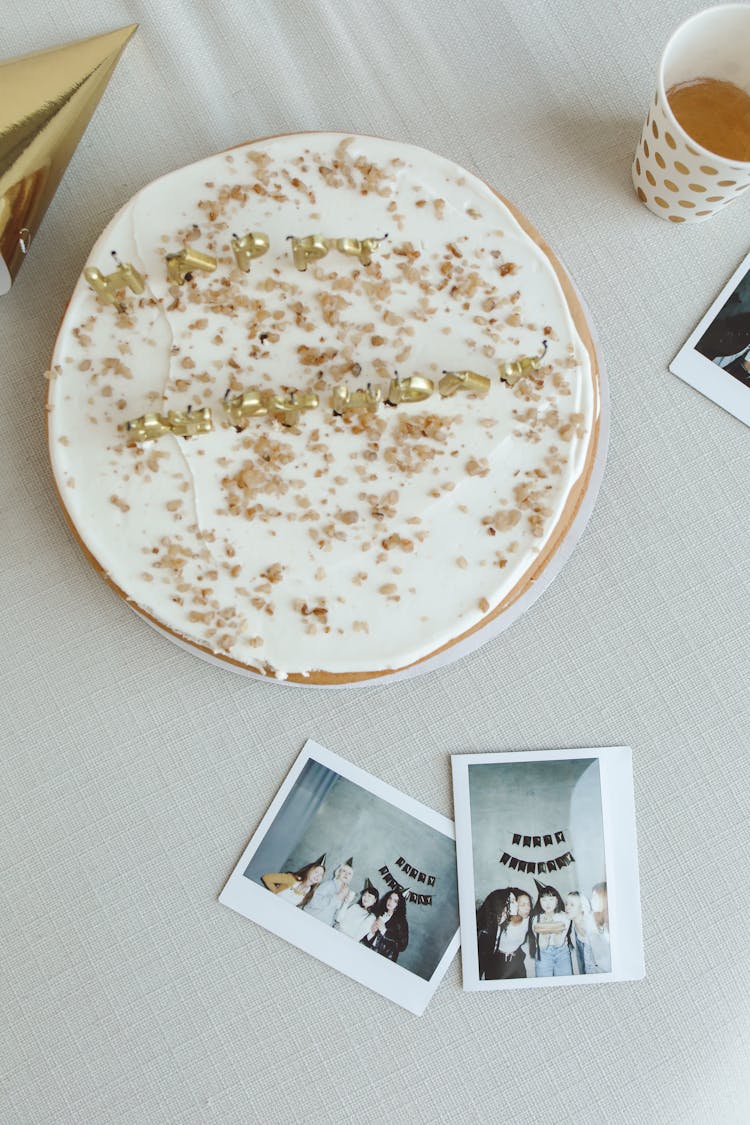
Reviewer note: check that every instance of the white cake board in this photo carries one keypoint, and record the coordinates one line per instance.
(504, 620)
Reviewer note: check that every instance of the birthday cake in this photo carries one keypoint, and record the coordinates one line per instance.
(321, 406)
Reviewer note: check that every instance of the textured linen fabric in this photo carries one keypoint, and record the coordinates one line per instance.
(133, 773)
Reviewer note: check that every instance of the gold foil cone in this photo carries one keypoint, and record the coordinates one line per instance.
(46, 101)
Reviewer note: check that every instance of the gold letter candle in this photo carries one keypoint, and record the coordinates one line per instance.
(147, 428)
(469, 381)
(308, 249)
(253, 245)
(250, 404)
(365, 398)
(188, 423)
(106, 285)
(514, 370)
(415, 388)
(361, 249)
(180, 266)
(287, 408)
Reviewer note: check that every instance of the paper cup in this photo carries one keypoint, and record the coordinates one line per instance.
(675, 177)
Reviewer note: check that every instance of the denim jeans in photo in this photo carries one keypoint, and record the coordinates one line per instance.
(554, 962)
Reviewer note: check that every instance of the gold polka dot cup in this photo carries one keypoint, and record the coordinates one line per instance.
(673, 175)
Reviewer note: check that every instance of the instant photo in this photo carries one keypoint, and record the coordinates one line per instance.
(356, 874)
(547, 868)
(716, 358)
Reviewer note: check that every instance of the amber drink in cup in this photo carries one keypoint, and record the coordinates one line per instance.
(693, 157)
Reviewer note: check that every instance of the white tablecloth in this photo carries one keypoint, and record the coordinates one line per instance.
(133, 773)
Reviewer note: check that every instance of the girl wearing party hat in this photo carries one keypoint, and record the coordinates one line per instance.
(297, 887)
(389, 933)
(355, 918)
(549, 941)
(334, 894)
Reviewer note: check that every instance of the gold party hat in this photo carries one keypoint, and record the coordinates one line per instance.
(46, 101)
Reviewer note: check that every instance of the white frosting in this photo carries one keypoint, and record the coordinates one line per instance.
(234, 540)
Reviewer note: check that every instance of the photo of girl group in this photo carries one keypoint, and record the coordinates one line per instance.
(357, 874)
(543, 840)
(548, 938)
(378, 921)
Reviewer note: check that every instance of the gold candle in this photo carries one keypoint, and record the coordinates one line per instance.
(250, 404)
(147, 428)
(513, 370)
(106, 285)
(359, 248)
(188, 423)
(180, 266)
(340, 399)
(181, 423)
(287, 408)
(415, 388)
(469, 381)
(252, 245)
(308, 249)
(365, 398)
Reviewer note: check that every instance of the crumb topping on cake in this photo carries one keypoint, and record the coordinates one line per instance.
(352, 540)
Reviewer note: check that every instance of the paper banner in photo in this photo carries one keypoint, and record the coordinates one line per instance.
(573, 918)
(318, 872)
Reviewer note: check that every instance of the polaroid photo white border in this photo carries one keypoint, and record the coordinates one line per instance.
(621, 858)
(702, 373)
(334, 948)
